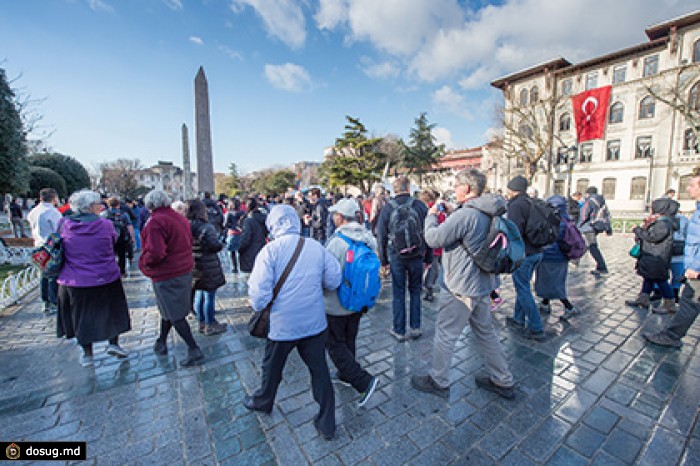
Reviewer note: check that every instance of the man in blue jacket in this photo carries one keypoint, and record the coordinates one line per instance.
(689, 302)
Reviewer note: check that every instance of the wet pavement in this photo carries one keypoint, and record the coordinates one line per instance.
(592, 393)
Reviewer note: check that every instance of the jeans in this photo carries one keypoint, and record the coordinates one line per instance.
(592, 242)
(204, 305)
(137, 235)
(402, 270)
(525, 306)
(455, 312)
(49, 290)
(677, 273)
(687, 311)
(341, 344)
(663, 286)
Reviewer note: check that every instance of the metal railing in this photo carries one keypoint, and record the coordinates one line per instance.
(17, 285)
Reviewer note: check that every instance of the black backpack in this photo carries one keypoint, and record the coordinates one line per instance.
(405, 233)
(542, 226)
(120, 226)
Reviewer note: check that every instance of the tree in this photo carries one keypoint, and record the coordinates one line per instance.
(14, 169)
(274, 182)
(228, 184)
(422, 154)
(356, 159)
(41, 177)
(72, 171)
(394, 150)
(119, 177)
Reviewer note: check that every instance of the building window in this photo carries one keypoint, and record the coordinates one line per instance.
(534, 95)
(566, 87)
(637, 187)
(562, 154)
(683, 183)
(690, 141)
(523, 97)
(651, 65)
(647, 107)
(617, 111)
(582, 185)
(591, 81)
(609, 188)
(586, 155)
(694, 96)
(613, 152)
(696, 51)
(619, 74)
(559, 187)
(525, 131)
(565, 122)
(644, 149)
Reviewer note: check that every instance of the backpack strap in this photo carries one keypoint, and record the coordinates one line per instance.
(461, 241)
(287, 270)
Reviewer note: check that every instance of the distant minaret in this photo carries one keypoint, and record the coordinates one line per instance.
(205, 164)
(187, 192)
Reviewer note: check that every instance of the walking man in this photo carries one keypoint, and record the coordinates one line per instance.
(402, 249)
(16, 219)
(689, 307)
(43, 220)
(468, 288)
(587, 223)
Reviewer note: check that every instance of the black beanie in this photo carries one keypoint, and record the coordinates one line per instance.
(519, 184)
(592, 190)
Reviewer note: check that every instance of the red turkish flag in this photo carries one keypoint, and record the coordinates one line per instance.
(590, 113)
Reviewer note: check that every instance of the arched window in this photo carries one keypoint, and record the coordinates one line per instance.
(694, 96)
(565, 122)
(696, 51)
(647, 107)
(525, 130)
(523, 97)
(690, 142)
(534, 95)
(617, 110)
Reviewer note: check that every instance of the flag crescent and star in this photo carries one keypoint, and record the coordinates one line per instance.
(590, 113)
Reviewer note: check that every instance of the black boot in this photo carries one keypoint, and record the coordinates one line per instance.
(429, 295)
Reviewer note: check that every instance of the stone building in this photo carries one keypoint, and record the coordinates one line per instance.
(649, 144)
(164, 176)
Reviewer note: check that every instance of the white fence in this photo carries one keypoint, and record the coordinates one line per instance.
(18, 284)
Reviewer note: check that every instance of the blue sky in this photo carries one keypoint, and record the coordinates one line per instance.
(117, 75)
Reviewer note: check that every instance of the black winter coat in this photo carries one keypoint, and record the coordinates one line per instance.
(657, 245)
(253, 239)
(207, 274)
(518, 213)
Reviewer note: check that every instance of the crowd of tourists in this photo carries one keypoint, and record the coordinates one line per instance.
(300, 256)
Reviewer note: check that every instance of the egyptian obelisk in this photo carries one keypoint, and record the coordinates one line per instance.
(205, 163)
(187, 191)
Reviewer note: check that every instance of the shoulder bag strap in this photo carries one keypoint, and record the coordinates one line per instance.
(287, 270)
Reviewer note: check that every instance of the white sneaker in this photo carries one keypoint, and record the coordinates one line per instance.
(117, 351)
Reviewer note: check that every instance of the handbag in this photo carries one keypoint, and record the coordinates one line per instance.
(636, 251)
(49, 256)
(259, 323)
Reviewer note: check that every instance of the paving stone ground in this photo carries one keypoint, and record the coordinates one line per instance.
(592, 393)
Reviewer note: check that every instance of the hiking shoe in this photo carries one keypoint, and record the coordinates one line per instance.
(86, 361)
(249, 403)
(496, 303)
(511, 322)
(599, 273)
(414, 333)
(662, 339)
(569, 313)
(398, 336)
(536, 335)
(487, 384)
(117, 351)
(214, 328)
(368, 393)
(426, 384)
(202, 327)
(160, 348)
(335, 378)
(429, 296)
(194, 357)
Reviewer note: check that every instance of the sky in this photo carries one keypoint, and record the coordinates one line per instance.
(115, 78)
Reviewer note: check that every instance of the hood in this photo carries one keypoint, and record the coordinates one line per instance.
(283, 220)
(490, 204)
(665, 206)
(82, 224)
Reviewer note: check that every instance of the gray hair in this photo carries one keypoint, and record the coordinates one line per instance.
(155, 199)
(180, 207)
(402, 185)
(472, 178)
(83, 200)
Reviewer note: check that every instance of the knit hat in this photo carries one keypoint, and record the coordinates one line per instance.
(519, 184)
(592, 190)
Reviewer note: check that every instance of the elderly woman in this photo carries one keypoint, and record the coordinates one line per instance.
(166, 259)
(91, 301)
(297, 317)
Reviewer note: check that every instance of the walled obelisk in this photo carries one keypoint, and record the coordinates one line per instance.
(205, 163)
(187, 191)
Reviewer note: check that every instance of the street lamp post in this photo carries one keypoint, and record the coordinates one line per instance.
(571, 156)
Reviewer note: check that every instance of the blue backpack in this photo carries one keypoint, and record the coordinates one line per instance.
(361, 283)
(503, 250)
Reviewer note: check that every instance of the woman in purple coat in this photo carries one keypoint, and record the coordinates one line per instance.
(91, 301)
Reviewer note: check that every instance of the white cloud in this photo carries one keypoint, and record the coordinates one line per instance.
(331, 13)
(174, 4)
(451, 101)
(229, 52)
(288, 77)
(381, 70)
(196, 40)
(100, 5)
(443, 136)
(283, 19)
